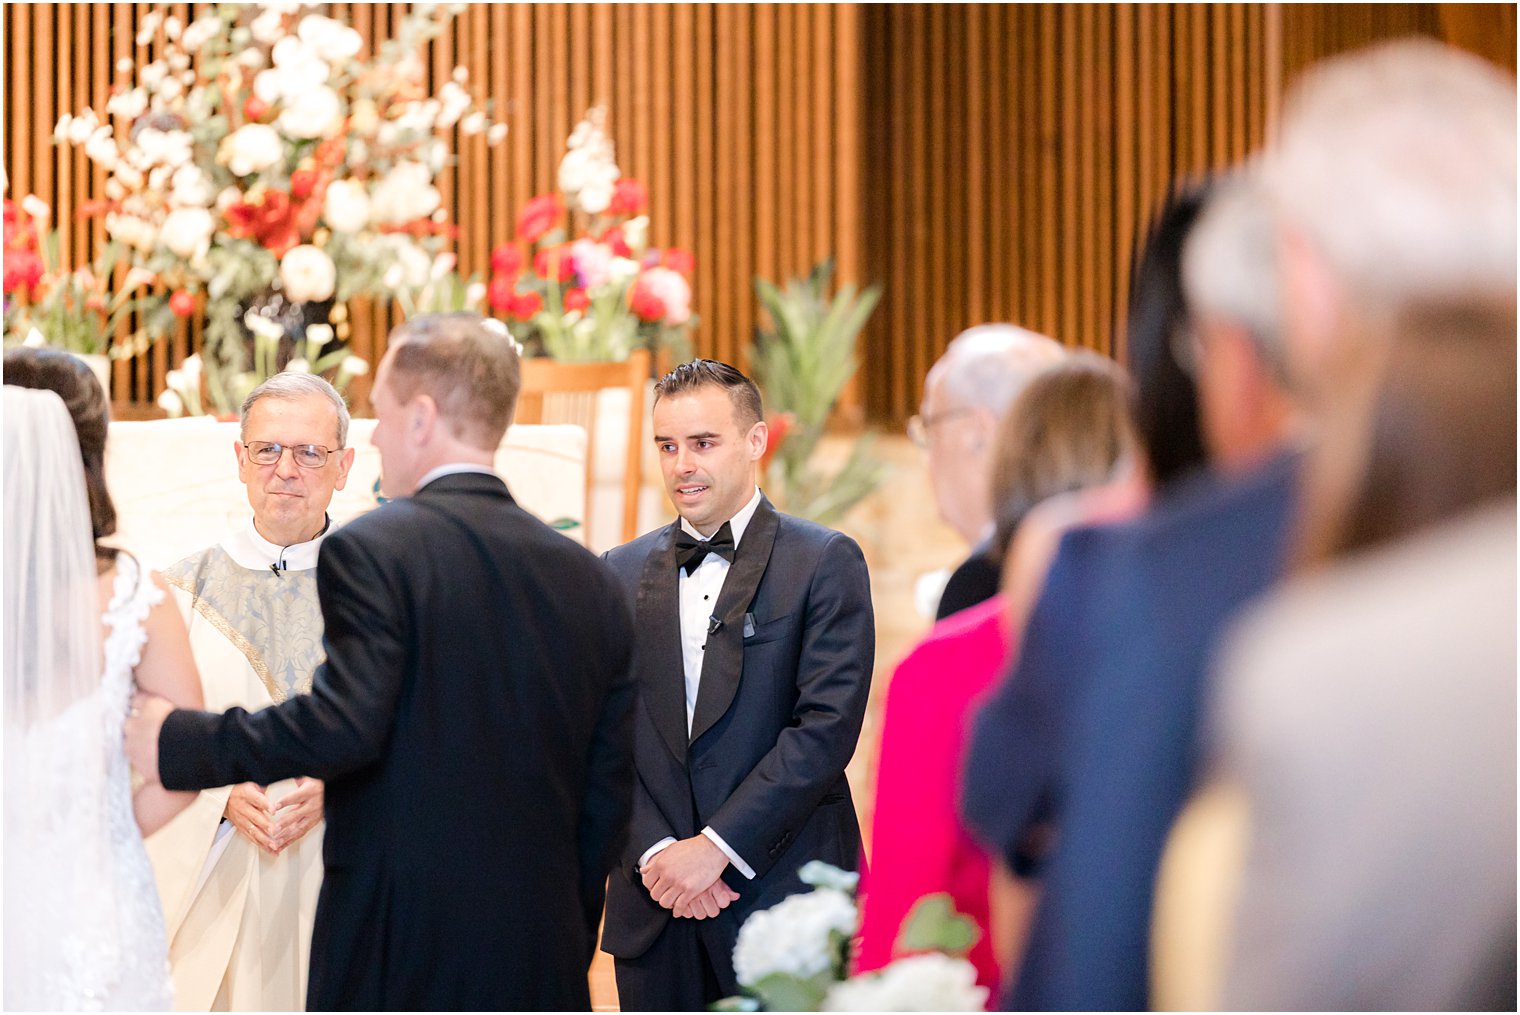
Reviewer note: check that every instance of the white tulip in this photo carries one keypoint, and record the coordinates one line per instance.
(307, 274)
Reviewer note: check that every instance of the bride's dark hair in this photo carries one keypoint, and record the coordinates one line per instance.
(73, 381)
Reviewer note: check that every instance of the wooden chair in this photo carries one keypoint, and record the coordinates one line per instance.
(557, 392)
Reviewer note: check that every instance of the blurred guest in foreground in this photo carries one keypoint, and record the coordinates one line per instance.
(967, 392)
(1365, 714)
(1070, 429)
(1091, 737)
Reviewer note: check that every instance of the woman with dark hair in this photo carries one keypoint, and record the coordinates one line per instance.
(83, 923)
(1069, 429)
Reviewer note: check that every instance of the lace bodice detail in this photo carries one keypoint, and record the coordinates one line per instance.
(96, 921)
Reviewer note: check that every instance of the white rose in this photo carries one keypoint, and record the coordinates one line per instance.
(346, 208)
(190, 186)
(332, 40)
(314, 113)
(251, 148)
(307, 274)
(405, 193)
(268, 87)
(187, 231)
(299, 63)
(269, 25)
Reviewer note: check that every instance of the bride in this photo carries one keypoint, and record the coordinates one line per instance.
(83, 926)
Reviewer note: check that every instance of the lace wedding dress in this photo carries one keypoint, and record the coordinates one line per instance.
(84, 929)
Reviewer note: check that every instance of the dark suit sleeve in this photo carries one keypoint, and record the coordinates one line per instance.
(833, 683)
(342, 725)
(1008, 780)
(975, 581)
(609, 773)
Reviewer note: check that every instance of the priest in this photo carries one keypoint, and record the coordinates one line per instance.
(240, 870)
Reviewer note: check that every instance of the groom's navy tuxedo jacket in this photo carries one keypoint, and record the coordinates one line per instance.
(783, 693)
(471, 722)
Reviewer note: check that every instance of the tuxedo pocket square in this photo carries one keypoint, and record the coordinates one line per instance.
(749, 625)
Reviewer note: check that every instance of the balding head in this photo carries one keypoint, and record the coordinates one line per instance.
(967, 392)
(1393, 178)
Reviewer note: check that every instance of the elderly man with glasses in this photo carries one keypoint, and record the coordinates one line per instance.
(239, 871)
(965, 395)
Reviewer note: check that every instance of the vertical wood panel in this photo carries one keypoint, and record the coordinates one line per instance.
(981, 162)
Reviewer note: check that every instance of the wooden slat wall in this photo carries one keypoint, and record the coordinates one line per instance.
(983, 162)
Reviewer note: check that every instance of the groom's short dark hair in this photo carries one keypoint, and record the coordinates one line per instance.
(700, 373)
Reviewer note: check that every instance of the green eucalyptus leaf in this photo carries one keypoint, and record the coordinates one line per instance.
(934, 925)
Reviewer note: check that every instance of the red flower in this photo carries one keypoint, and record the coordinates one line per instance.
(629, 197)
(524, 305)
(576, 299)
(777, 427)
(615, 240)
(506, 259)
(501, 292)
(644, 303)
(302, 183)
(538, 217)
(679, 261)
(270, 222)
(23, 268)
(182, 303)
(255, 109)
(554, 263)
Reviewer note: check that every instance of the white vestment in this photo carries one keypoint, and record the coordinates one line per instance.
(239, 920)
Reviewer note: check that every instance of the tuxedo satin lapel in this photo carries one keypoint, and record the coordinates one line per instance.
(658, 618)
(723, 659)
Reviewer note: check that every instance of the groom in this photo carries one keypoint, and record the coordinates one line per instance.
(471, 719)
(754, 650)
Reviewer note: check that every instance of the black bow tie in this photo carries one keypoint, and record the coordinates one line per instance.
(691, 551)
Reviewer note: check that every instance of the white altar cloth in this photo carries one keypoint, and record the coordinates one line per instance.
(176, 489)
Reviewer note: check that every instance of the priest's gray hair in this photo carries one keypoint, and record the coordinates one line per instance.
(1229, 266)
(1397, 163)
(289, 385)
(989, 365)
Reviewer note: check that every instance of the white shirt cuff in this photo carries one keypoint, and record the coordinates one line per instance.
(652, 850)
(733, 858)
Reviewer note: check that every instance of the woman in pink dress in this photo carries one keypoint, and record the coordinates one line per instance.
(1069, 430)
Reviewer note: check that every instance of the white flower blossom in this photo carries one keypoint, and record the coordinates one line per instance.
(269, 25)
(298, 366)
(454, 102)
(148, 27)
(171, 403)
(172, 27)
(475, 294)
(187, 231)
(199, 32)
(153, 73)
(332, 40)
(319, 334)
(34, 339)
(317, 112)
(190, 187)
(132, 231)
(124, 65)
(251, 148)
(353, 366)
(595, 197)
(36, 207)
(929, 982)
(136, 277)
(636, 233)
(307, 274)
(497, 134)
(672, 290)
(405, 194)
(346, 206)
(128, 104)
(192, 368)
(793, 936)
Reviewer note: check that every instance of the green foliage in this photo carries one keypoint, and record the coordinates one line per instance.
(802, 364)
(933, 924)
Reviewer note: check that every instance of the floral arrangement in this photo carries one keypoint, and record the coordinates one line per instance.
(580, 281)
(795, 956)
(801, 365)
(260, 156)
(47, 304)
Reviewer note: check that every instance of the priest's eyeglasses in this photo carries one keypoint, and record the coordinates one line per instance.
(307, 456)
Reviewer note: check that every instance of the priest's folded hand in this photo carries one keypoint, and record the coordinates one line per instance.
(298, 812)
(683, 870)
(250, 812)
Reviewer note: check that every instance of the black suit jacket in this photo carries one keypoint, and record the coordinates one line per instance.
(974, 581)
(776, 721)
(472, 723)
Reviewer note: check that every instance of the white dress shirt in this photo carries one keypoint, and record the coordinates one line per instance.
(697, 595)
(453, 468)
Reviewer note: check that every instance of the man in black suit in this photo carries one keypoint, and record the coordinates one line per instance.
(471, 719)
(753, 656)
(969, 388)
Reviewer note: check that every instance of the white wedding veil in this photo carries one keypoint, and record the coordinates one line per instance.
(57, 835)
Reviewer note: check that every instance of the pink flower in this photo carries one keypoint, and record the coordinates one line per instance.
(592, 262)
(666, 287)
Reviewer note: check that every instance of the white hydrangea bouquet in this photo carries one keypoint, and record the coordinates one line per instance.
(260, 154)
(795, 956)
